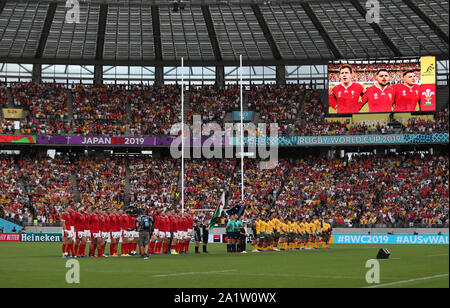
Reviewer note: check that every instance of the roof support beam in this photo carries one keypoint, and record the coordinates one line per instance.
(157, 32)
(187, 62)
(46, 29)
(267, 34)
(427, 20)
(321, 29)
(386, 40)
(212, 32)
(2, 5)
(101, 31)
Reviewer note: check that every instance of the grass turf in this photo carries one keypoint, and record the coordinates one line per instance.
(41, 265)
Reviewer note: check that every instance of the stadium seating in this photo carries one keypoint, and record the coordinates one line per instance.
(153, 182)
(154, 109)
(368, 190)
(48, 184)
(101, 181)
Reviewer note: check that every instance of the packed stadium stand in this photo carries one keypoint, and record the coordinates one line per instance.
(116, 72)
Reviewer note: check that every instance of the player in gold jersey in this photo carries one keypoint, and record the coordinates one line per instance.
(326, 234)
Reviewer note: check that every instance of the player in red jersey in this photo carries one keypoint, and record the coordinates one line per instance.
(94, 226)
(164, 233)
(104, 230)
(407, 94)
(124, 230)
(182, 230)
(154, 240)
(380, 96)
(134, 235)
(190, 230)
(68, 235)
(78, 229)
(344, 98)
(86, 234)
(173, 229)
(114, 223)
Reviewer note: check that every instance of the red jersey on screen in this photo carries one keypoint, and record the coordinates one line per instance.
(380, 100)
(406, 97)
(346, 99)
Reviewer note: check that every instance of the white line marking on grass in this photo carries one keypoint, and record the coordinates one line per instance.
(193, 273)
(444, 254)
(406, 281)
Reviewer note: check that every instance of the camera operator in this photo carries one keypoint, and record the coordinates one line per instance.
(144, 225)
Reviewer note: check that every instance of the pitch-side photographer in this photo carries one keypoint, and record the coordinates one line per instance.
(144, 225)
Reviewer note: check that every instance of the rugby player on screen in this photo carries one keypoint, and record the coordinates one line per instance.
(407, 94)
(344, 98)
(380, 96)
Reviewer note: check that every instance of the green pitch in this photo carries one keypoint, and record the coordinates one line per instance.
(41, 265)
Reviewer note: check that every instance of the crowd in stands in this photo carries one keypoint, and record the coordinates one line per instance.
(13, 200)
(154, 109)
(101, 181)
(213, 103)
(367, 190)
(362, 190)
(3, 96)
(277, 104)
(261, 186)
(48, 185)
(417, 125)
(206, 180)
(42, 101)
(153, 182)
(101, 110)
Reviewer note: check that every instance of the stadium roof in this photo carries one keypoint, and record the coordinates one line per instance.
(216, 32)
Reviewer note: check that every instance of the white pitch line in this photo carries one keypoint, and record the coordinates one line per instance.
(406, 281)
(444, 254)
(194, 273)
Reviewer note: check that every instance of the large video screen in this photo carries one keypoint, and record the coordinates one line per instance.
(367, 86)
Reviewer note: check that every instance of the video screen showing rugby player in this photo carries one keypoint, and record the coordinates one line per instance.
(407, 94)
(345, 97)
(380, 96)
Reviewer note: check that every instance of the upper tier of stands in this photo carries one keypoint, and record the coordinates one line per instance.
(113, 110)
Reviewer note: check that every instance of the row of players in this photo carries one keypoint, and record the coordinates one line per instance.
(350, 97)
(277, 233)
(102, 225)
